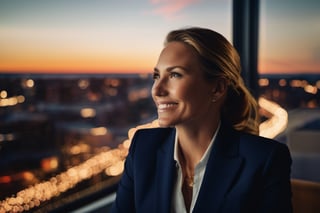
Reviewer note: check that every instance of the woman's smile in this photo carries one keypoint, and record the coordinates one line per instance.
(164, 107)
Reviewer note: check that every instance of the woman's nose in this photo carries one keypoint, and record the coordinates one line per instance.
(159, 88)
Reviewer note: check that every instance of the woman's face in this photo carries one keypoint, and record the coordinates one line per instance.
(180, 92)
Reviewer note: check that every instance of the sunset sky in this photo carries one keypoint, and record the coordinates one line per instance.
(94, 36)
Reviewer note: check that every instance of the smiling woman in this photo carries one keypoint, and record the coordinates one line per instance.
(207, 151)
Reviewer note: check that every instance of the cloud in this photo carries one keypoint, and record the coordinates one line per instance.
(170, 9)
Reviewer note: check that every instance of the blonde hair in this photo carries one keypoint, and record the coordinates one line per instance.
(221, 60)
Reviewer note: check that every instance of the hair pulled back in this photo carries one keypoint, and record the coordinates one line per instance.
(220, 60)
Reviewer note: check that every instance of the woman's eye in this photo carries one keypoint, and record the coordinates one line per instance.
(155, 76)
(175, 75)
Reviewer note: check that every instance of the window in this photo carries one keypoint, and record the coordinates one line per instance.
(289, 67)
(73, 81)
(289, 52)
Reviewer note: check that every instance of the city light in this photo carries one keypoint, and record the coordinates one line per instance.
(311, 89)
(88, 112)
(277, 121)
(282, 82)
(97, 131)
(138, 94)
(7, 137)
(263, 82)
(11, 101)
(28, 83)
(3, 94)
(110, 161)
(83, 84)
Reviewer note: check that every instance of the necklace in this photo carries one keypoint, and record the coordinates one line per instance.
(187, 191)
(189, 181)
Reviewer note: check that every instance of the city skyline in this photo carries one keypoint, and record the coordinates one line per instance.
(124, 36)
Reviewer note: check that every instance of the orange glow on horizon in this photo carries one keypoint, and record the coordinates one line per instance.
(77, 61)
(129, 69)
(288, 66)
(74, 71)
(78, 65)
(87, 66)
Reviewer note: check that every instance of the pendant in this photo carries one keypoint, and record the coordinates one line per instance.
(189, 181)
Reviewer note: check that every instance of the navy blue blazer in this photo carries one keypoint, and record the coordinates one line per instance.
(245, 173)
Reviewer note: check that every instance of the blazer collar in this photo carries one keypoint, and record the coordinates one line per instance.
(222, 168)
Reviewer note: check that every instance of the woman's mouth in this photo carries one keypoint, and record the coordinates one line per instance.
(163, 107)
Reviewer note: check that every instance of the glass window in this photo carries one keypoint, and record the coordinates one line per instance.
(73, 81)
(289, 37)
(289, 67)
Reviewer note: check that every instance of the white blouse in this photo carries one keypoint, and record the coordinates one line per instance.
(178, 205)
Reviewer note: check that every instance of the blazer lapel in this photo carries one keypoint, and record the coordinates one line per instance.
(223, 166)
(165, 174)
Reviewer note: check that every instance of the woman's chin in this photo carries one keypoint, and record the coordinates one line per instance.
(164, 124)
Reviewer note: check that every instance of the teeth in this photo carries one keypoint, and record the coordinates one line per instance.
(164, 106)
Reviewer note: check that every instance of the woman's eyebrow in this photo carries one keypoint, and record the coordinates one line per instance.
(170, 69)
(175, 67)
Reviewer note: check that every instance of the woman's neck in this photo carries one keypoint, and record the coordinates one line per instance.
(193, 142)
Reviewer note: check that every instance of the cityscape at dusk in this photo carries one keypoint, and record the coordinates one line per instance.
(75, 84)
(64, 134)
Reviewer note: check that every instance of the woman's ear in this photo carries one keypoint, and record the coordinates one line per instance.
(219, 89)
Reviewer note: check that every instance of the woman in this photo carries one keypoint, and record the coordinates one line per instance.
(207, 157)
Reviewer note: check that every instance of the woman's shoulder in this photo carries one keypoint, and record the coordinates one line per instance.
(151, 132)
(250, 140)
(153, 137)
(257, 140)
(146, 143)
(262, 146)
